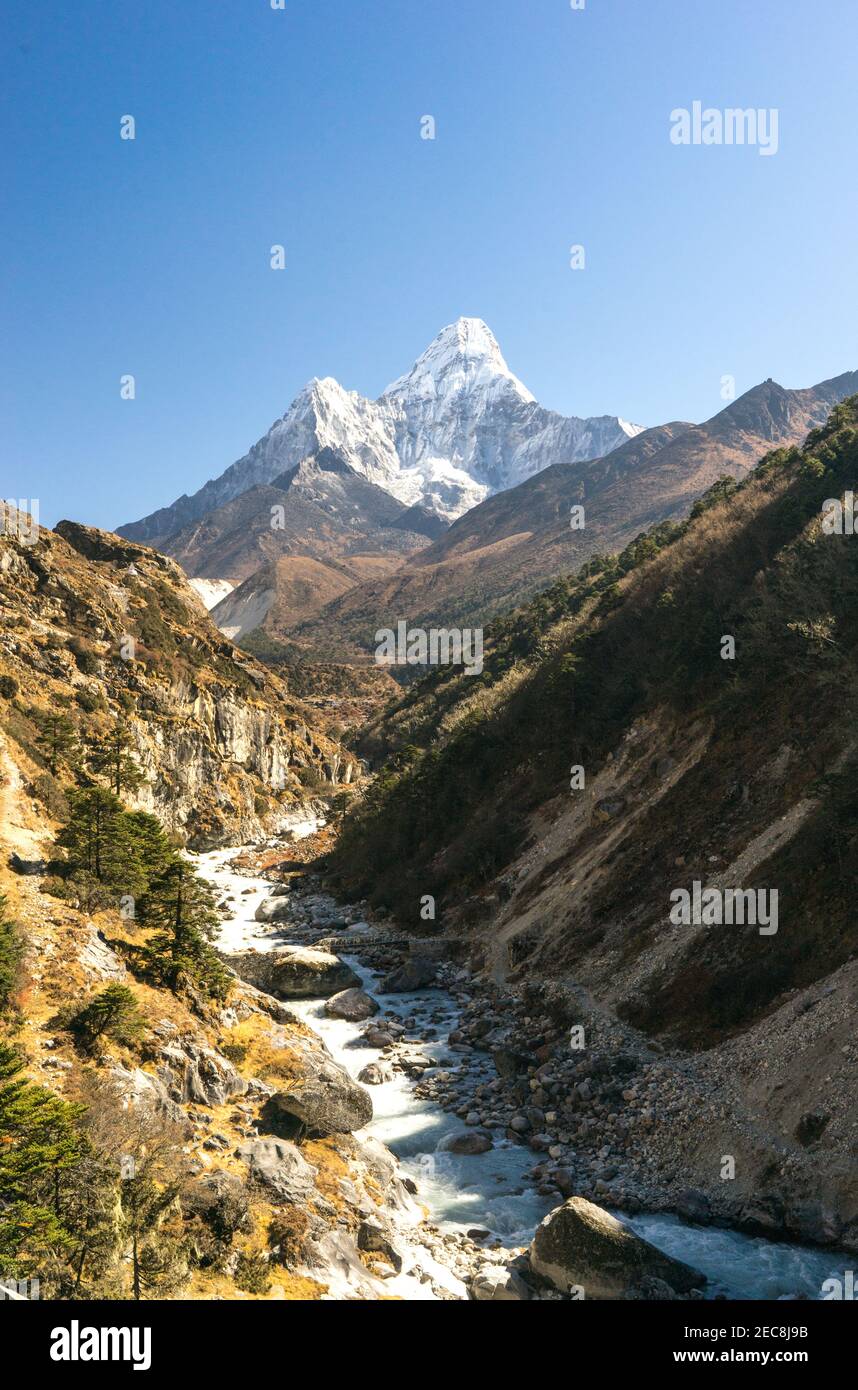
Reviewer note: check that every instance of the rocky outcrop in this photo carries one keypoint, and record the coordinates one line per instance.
(103, 624)
(295, 973)
(579, 1246)
(327, 1102)
(99, 959)
(192, 1072)
(278, 1166)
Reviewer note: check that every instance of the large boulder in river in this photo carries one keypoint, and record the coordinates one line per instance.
(414, 973)
(354, 1005)
(468, 1141)
(296, 972)
(273, 909)
(326, 1102)
(580, 1245)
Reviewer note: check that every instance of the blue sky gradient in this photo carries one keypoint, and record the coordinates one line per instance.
(302, 126)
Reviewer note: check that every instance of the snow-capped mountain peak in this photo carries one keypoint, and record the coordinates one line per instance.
(465, 356)
(456, 427)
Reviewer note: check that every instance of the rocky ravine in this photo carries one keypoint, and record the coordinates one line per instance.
(590, 1129)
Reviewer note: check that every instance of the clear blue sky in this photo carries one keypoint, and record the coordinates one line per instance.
(258, 126)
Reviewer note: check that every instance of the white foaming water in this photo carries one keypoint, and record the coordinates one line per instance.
(491, 1191)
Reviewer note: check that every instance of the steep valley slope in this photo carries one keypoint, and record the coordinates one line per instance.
(610, 756)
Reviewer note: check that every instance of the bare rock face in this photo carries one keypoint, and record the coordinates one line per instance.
(279, 1166)
(580, 1245)
(326, 1102)
(197, 1074)
(352, 1004)
(99, 959)
(297, 972)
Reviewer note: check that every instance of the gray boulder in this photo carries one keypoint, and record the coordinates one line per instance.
(414, 973)
(469, 1141)
(279, 1166)
(375, 1074)
(495, 1284)
(509, 1063)
(374, 1239)
(352, 1004)
(326, 1102)
(298, 972)
(273, 909)
(583, 1246)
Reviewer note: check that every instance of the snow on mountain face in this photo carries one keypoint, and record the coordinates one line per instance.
(457, 427)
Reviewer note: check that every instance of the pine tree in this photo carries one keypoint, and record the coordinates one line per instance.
(93, 837)
(113, 1013)
(150, 844)
(180, 907)
(58, 737)
(148, 1195)
(39, 1141)
(11, 955)
(112, 758)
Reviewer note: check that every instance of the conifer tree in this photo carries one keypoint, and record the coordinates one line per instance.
(11, 955)
(39, 1141)
(58, 738)
(112, 758)
(113, 1013)
(180, 907)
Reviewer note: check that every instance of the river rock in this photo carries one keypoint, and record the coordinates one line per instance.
(279, 1166)
(414, 973)
(352, 1004)
(468, 1141)
(693, 1205)
(327, 1102)
(273, 909)
(375, 1074)
(495, 1284)
(297, 972)
(581, 1245)
(509, 1063)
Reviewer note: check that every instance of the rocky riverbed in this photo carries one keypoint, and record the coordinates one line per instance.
(501, 1108)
